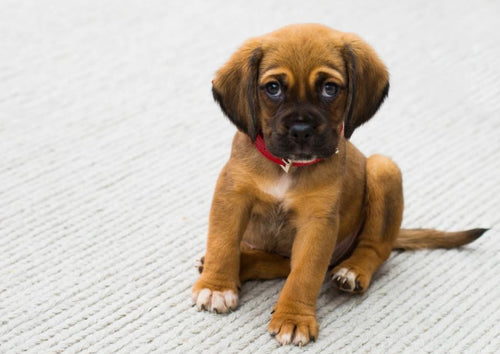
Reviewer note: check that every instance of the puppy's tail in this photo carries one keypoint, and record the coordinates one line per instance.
(412, 239)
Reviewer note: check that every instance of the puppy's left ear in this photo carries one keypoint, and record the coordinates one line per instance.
(368, 82)
(235, 87)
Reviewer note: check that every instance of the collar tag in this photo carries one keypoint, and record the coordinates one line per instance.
(287, 165)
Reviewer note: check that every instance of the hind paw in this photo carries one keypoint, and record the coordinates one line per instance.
(349, 279)
(199, 264)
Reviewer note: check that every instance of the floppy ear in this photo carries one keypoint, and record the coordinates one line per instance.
(368, 82)
(235, 88)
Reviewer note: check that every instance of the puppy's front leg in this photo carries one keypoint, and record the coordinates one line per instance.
(294, 318)
(217, 288)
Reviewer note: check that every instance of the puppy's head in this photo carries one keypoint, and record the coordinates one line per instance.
(298, 86)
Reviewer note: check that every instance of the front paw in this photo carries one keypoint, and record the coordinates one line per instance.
(294, 328)
(206, 298)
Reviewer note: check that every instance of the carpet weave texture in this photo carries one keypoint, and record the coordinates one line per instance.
(111, 145)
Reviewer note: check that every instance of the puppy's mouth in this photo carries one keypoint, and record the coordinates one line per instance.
(301, 158)
(300, 155)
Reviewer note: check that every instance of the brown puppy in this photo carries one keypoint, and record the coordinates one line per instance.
(296, 196)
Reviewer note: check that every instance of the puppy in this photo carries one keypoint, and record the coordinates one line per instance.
(296, 196)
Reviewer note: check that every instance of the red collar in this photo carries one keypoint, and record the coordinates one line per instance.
(285, 164)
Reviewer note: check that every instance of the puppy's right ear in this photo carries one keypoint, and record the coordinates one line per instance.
(235, 87)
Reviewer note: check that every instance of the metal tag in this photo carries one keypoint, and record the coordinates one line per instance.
(287, 166)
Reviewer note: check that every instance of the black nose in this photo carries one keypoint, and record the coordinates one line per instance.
(301, 132)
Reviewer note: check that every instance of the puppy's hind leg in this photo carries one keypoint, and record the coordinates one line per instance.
(384, 212)
(257, 264)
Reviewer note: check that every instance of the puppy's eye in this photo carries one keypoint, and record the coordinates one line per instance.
(330, 90)
(273, 89)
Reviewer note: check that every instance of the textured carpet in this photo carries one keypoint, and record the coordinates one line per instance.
(111, 145)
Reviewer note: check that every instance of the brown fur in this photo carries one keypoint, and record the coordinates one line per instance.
(266, 224)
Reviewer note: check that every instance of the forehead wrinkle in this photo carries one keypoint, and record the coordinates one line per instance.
(300, 69)
(329, 71)
(277, 71)
(301, 90)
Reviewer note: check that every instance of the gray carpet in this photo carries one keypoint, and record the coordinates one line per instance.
(111, 144)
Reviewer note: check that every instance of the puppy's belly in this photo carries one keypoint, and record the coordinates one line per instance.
(270, 229)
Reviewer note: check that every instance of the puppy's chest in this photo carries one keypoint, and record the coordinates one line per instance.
(271, 225)
(278, 189)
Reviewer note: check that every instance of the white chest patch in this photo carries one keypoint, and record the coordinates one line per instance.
(279, 188)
